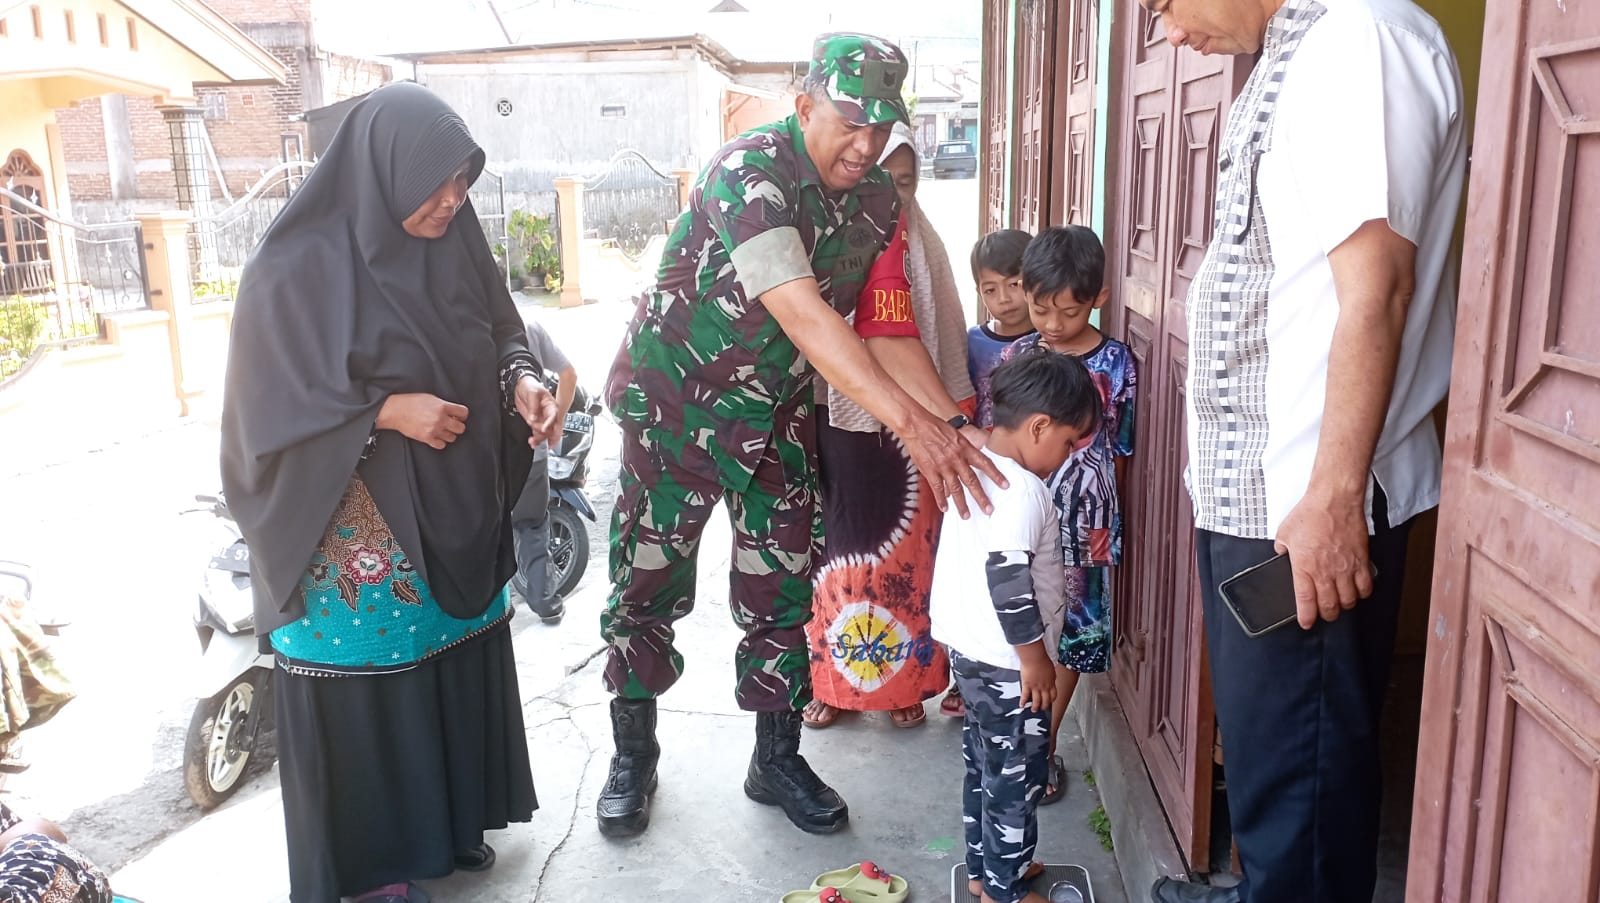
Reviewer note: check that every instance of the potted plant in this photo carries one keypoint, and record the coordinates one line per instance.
(516, 277)
(536, 237)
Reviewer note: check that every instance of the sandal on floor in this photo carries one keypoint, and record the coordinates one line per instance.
(952, 704)
(865, 883)
(814, 895)
(915, 715)
(1057, 779)
(829, 716)
(478, 859)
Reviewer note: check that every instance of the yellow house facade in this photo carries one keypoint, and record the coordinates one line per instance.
(138, 349)
(56, 52)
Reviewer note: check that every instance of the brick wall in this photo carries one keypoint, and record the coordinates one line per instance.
(248, 138)
(84, 148)
(246, 124)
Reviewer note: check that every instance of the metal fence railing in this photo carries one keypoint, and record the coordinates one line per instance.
(57, 276)
(221, 242)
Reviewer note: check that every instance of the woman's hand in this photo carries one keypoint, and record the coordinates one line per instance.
(977, 435)
(538, 407)
(426, 418)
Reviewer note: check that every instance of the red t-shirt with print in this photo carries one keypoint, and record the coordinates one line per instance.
(884, 307)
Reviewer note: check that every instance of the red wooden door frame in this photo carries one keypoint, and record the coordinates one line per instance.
(1509, 793)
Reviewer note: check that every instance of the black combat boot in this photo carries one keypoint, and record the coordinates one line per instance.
(624, 805)
(778, 776)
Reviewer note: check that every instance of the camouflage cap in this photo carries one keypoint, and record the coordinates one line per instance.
(862, 74)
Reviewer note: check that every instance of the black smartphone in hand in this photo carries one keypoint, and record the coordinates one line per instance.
(1262, 597)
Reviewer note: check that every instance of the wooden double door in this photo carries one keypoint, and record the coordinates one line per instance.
(1039, 162)
(1508, 779)
(1172, 106)
(1508, 775)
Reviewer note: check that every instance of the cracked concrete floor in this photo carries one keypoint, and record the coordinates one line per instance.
(706, 841)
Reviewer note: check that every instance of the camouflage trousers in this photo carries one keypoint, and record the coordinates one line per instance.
(661, 512)
(1007, 751)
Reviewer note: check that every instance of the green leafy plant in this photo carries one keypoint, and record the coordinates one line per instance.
(1100, 822)
(1088, 776)
(516, 274)
(535, 237)
(22, 325)
(216, 288)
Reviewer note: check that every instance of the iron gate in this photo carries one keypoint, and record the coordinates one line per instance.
(630, 203)
(488, 197)
(56, 276)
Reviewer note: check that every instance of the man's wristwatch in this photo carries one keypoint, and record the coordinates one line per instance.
(959, 421)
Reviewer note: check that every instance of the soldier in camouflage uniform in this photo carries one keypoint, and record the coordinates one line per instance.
(713, 388)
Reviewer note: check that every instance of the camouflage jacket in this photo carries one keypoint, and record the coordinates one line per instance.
(705, 375)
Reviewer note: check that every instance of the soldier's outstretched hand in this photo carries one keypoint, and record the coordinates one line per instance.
(949, 462)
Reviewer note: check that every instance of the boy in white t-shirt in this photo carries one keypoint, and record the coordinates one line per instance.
(998, 603)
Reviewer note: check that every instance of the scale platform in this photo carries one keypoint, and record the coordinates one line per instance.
(1058, 884)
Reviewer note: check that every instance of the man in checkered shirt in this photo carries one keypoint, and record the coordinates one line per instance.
(1320, 336)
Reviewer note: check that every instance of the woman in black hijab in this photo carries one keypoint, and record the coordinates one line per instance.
(380, 409)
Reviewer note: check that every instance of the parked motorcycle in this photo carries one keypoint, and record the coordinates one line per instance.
(569, 470)
(235, 677)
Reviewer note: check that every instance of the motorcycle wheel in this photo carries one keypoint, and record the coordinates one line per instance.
(569, 551)
(222, 739)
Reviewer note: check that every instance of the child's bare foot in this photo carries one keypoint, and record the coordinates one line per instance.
(1035, 869)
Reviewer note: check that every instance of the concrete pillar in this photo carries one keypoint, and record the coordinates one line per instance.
(120, 164)
(569, 204)
(191, 171)
(167, 267)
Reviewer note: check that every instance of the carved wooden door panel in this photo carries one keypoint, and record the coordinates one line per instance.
(25, 256)
(1509, 794)
(1072, 163)
(996, 130)
(1173, 110)
(1035, 78)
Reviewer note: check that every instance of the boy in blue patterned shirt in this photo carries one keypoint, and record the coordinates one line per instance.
(1063, 273)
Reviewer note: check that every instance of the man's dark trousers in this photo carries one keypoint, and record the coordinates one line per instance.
(1299, 714)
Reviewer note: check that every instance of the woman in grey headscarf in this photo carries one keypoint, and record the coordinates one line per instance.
(871, 649)
(380, 407)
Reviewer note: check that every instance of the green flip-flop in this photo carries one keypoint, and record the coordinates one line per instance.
(815, 895)
(865, 883)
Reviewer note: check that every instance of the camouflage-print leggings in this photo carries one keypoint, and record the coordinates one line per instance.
(1007, 750)
(655, 534)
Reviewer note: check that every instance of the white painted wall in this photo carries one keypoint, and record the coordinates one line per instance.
(555, 127)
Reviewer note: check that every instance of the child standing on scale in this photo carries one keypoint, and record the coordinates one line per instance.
(1063, 273)
(997, 603)
(997, 269)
